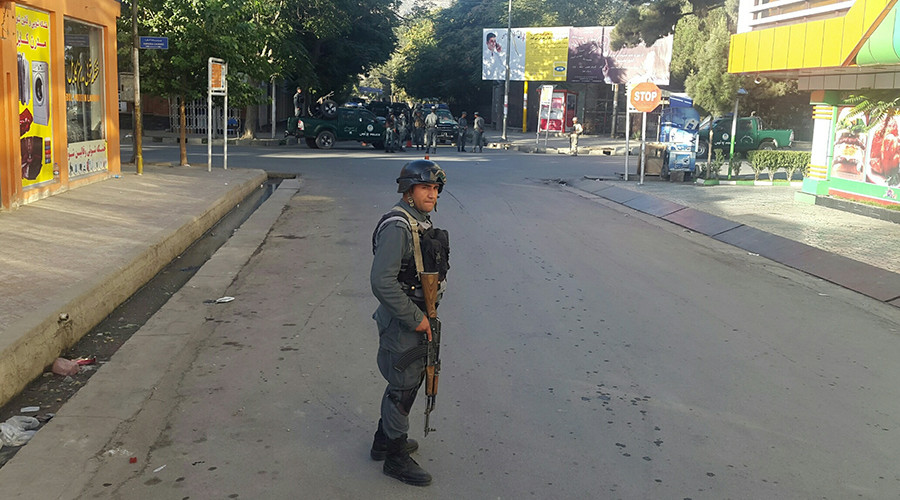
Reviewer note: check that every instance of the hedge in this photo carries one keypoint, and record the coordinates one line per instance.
(773, 161)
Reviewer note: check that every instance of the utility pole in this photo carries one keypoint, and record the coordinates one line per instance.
(508, 51)
(138, 118)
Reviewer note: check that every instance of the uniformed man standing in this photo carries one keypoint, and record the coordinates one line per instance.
(419, 130)
(402, 130)
(463, 129)
(402, 324)
(577, 130)
(390, 134)
(478, 136)
(299, 103)
(431, 122)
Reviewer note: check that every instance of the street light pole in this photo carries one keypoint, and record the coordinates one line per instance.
(508, 48)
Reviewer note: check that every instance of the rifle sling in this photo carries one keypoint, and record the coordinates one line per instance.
(417, 249)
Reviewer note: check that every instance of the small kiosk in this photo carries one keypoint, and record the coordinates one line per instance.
(558, 116)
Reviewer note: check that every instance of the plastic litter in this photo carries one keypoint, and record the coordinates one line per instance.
(65, 367)
(17, 430)
(222, 300)
(30, 409)
(86, 360)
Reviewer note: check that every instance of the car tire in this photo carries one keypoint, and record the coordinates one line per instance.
(767, 146)
(325, 139)
(311, 143)
(329, 109)
(702, 150)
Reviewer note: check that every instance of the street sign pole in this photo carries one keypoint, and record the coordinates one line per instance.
(644, 97)
(217, 72)
(643, 144)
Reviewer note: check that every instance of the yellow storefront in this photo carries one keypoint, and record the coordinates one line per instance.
(834, 50)
(58, 82)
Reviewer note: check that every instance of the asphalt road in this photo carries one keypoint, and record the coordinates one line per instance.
(589, 352)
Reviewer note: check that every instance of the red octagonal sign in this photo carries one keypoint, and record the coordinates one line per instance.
(645, 97)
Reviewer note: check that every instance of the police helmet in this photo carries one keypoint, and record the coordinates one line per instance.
(421, 172)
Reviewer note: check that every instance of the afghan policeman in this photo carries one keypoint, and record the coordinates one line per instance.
(478, 135)
(431, 122)
(463, 129)
(402, 324)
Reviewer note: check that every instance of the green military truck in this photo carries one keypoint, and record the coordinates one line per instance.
(348, 124)
(751, 135)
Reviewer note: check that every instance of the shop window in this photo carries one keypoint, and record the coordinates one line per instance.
(85, 83)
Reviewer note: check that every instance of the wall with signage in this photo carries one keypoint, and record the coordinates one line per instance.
(54, 83)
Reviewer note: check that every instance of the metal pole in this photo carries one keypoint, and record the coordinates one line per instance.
(733, 131)
(508, 52)
(643, 144)
(525, 107)
(627, 138)
(138, 118)
(273, 107)
(209, 120)
(612, 134)
(225, 128)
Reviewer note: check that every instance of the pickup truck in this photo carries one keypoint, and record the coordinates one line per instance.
(349, 124)
(752, 134)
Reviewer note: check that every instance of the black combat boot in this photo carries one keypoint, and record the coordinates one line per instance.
(399, 465)
(380, 444)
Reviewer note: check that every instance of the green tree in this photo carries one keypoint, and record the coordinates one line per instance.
(649, 21)
(343, 39)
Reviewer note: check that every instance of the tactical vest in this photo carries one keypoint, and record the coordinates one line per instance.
(431, 252)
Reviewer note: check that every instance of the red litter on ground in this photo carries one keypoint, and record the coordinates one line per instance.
(86, 361)
(132, 460)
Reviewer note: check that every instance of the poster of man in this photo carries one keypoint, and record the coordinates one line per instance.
(494, 52)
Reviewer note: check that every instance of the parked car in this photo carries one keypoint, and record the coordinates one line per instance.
(751, 134)
(447, 127)
(349, 124)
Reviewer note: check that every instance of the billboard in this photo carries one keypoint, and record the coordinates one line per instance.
(547, 54)
(494, 52)
(35, 118)
(580, 55)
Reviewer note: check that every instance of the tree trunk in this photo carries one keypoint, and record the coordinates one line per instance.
(251, 118)
(182, 122)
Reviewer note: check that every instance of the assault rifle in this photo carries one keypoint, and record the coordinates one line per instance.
(433, 359)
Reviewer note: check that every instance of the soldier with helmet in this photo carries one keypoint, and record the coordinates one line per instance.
(402, 324)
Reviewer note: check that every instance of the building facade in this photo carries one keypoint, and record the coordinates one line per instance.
(841, 52)
(58, 81)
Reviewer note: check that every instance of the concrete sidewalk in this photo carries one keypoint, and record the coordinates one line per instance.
(851, 250)
(70, 259)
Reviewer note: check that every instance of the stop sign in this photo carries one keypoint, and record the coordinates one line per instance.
(645, 97)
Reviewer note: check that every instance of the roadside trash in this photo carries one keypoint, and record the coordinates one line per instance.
(17, 430)
(65, 367)
(220, 300)
(86, 360)
(753, 254)
(161, 467)
(132, 460)
(30, 409)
